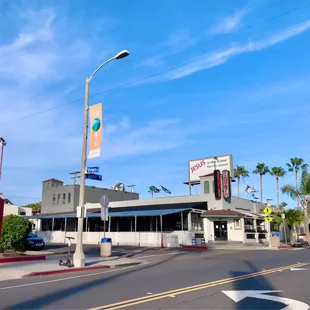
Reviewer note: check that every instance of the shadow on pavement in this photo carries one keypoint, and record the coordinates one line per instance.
(259, 283)
(48, 299)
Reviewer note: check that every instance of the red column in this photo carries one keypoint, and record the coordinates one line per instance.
(1, 214)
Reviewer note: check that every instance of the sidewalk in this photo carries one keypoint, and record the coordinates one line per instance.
(50, 266)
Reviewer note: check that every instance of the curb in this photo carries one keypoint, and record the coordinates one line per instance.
(61, 271)
(196, 247)
(21, 259)
(285, 246)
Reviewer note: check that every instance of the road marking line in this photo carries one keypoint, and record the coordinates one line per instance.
(149, 293)
(144, 299)
(68, 278)
(298, 269)
(153, 255)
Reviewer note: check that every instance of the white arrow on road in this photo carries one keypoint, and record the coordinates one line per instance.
(291, 304)
(298, 269)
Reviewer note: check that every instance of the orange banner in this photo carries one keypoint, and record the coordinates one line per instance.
(95, 123)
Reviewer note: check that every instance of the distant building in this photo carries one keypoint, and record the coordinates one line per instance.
(10, 208)
(58, 198)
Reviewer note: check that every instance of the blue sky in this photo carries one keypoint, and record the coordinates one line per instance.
(204, 78)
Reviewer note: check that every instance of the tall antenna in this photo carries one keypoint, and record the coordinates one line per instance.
(131, 188)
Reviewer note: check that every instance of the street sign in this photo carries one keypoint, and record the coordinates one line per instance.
(93, 176)
(92, 169)
(104, 202)
(267, 210)
(283, 216)
(268, 218)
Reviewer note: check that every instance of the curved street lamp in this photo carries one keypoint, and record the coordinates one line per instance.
(79, 256)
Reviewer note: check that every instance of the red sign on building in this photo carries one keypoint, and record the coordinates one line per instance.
(1, 214)
(226, 184)
(217, 184)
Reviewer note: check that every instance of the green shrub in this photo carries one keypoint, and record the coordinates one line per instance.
(14, 233)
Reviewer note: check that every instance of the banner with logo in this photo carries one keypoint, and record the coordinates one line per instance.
(226, 184)
(95, 123)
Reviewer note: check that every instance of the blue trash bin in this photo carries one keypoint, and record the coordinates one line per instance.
(106, 247)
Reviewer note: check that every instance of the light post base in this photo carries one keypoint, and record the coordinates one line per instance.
(79, 259)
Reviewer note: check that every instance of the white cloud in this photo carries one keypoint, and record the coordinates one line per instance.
(229, 24)
(218, 57)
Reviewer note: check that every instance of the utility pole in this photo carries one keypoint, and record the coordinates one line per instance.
(75, 176)
(3, 144)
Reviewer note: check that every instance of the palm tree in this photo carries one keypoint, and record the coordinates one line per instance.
(278, 172)
(282, 206)
(240, 172)
(293, 218)
(261, 169)
(303, 194)
(294, 166)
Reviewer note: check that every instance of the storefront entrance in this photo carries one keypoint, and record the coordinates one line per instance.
(220, 230)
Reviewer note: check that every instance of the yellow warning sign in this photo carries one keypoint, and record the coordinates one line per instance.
(268, 218)
(267, 210)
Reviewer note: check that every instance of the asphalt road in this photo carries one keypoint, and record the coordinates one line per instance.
(190, 280)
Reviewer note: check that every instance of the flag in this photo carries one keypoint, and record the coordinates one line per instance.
(250, 190)
(154, 189)
(166, 190)
(95, 121)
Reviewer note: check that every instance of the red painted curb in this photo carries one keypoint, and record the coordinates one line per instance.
(60, 271)
(285, 246)
(198, 247)
(21, 259)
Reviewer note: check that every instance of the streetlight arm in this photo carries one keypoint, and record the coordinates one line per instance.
(103, 64)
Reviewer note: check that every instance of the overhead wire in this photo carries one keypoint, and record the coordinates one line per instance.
(160, 72)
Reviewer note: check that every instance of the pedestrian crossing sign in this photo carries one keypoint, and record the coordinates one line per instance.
(267, 210)
(268, 218)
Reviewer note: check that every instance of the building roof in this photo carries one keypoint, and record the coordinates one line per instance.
(223, 212)
(53, 180)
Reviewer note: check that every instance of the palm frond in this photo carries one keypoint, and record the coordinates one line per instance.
(278, 172)
(291, 191)
(240, 171)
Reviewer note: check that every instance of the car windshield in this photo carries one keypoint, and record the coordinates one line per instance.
(31, 235)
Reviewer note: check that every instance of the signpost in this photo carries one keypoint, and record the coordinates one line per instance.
(268, 218)
(284, 227)
(93, 176)
(104, 202)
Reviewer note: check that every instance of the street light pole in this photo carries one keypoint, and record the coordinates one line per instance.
(3, 144)
(79, 256)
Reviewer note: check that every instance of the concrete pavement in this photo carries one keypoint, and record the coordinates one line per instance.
(160, 273)
(11, 271)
